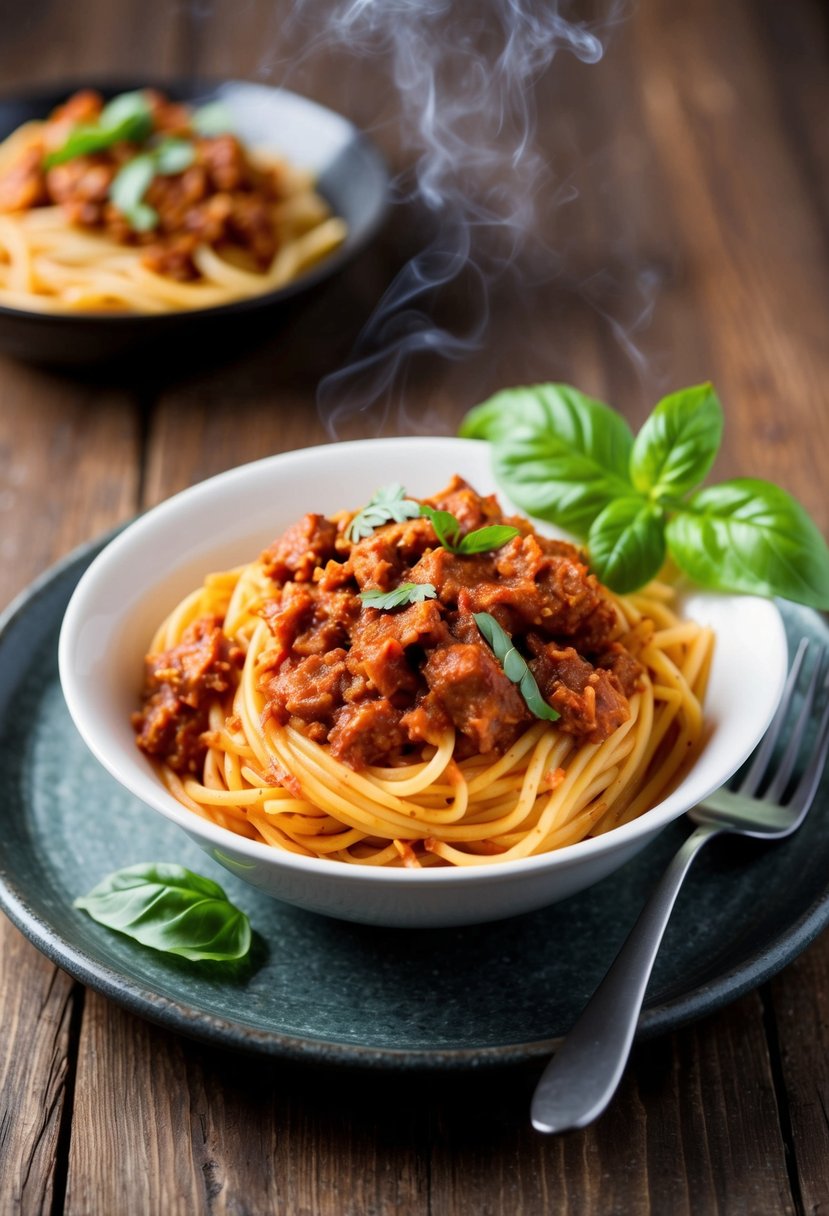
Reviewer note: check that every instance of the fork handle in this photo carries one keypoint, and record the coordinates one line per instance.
(582, 1076)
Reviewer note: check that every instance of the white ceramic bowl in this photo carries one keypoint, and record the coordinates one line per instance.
(226, 521)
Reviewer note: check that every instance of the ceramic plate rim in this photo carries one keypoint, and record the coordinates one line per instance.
(187, 1018)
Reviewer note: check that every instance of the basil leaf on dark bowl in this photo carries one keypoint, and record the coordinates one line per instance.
(559, 454)
(677, 445)
(170, 908)
(627, 544)
(751, 536)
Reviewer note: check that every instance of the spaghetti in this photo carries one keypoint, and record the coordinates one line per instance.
(242, 741)
(165, 220)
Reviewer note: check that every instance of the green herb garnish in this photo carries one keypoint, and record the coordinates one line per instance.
(448, 531)
(573, 461)
(406, 593)
(127, 117)
(133, 179)
(387, 505)
(515, 666)
(213, 118)
(170, 908)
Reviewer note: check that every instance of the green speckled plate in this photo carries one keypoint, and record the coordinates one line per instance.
(329, 991)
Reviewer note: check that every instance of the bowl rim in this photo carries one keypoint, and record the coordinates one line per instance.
(638, 830)
(339, 258)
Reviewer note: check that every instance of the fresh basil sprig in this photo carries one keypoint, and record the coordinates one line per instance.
(406, 593)
(483, 540)
(170, 908)
(127, 117)
(568, 459)
(515, 666)
(388, 504)
(133, 179)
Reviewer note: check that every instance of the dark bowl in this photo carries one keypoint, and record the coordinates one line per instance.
(351, 176)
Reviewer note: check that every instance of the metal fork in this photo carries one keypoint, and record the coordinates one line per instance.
(582, 1077)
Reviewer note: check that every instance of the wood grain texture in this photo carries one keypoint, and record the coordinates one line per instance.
(36, 1067)
(68, 470)
(800, 1001)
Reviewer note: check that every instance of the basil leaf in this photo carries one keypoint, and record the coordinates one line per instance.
(173, 156)
(558, 454)
(213, 118)
(172, 909)
(447, 527)
(484, 540)
(127, 118)
(406, 593)
(627, 543)
(676, 447)
(514, 666)
(749, 535)
(128, 188)
(124, 108)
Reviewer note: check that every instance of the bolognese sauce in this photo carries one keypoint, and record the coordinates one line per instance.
(375, 685)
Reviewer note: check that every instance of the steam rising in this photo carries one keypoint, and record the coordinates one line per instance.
(464, 74)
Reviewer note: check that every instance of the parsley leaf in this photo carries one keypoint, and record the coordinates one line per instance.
(406, 593)
(483, 540)
(515, 666)
(386, 505)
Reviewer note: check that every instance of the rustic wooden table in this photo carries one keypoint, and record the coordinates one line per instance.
(687, 209)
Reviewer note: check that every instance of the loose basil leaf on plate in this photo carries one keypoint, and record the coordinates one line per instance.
(627, 543)
(749, 535)
(559, 454)
(678, 443)
(170, 908)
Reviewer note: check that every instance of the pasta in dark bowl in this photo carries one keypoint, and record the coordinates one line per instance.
(161, 217)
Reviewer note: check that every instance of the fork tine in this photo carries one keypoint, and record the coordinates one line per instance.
(806, 788)
(786, 767)
(754, 776)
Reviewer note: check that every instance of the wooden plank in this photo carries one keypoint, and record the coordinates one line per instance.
(67, 471)
(37, 1003)
(800, 999)
(690, 1130)
(753, 239)
(130, 1135)
(162, 1125)
(74, 44)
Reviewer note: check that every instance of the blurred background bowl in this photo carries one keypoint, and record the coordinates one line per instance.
(350, 174)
